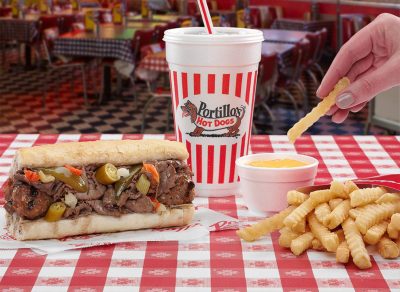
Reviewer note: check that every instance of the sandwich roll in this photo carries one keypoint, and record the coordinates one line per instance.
(80, 188)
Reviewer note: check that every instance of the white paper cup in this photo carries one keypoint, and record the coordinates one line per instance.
(213, 82)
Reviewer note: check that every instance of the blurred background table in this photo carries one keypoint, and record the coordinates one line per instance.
(111, 42)
(283, 35)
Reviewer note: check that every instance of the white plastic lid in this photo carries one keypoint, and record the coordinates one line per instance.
(223, 35)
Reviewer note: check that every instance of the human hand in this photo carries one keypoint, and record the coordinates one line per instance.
(371, 60)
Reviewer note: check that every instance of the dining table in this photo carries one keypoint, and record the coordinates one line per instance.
(283, 35)
(157, 17)
(110, 42)
(26, 30)
(219, 260)
(304, 24)
(145, 25)
(282, 50)
(21, 30)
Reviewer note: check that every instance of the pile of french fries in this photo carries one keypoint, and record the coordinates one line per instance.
(342, 219)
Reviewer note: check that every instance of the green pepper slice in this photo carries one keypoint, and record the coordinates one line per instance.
(74, 181)
(124, 182)
(143, 184)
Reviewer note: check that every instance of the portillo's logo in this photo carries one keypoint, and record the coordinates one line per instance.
(223, 121)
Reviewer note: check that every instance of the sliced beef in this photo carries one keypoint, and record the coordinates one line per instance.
(109, 198)
(29, 202)
(181, 193)
(130, 193)
(140, 205)
(167, 176)
(96, 189)
(175, 183)
(60, 189)
(81, 209)
(98, 206)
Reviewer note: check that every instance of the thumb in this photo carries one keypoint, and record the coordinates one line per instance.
(370, 84)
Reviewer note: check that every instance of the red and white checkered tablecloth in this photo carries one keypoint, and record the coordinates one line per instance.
(220, 262)
(155, 62)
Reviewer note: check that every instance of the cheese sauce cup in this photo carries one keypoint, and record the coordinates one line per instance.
(213, 82)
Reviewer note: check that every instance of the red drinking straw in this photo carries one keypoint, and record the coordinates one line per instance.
(205, 14)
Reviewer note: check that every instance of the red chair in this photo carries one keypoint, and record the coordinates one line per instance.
(48, 21)
(192, 8)
(352, 23)
(315, 40)
(255, 18)
(142, 38)
(322, 43)
(271, 16)
(66, 22)
(289, 75)
(348, 29)
(5, 11)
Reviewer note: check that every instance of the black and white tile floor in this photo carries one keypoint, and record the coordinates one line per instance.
(21, 110)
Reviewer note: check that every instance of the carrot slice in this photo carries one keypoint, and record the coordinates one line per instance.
(73, 170)
(154, 173)
(156, 203)
(31, 175)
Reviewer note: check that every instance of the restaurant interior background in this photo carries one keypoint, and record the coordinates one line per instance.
(99, 66)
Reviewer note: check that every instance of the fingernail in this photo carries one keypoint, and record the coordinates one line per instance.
(345, 100)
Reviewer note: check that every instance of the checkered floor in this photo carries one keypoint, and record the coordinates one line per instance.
(22, 111)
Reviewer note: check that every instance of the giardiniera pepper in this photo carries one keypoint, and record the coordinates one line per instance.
(124, 182)
(63, 174)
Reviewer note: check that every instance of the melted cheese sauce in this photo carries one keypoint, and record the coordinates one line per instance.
(278, 163)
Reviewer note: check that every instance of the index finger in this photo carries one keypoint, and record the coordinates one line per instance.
(358, 47)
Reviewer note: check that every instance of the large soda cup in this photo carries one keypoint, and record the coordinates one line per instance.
(213, 83)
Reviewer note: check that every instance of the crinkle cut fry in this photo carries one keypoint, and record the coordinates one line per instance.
(388, 198)
(265, 226)
(286, 236)
(387, 248)
(299, 213)
(328, 239)
(339, 189)
(322, 196)
(301, 243)
(338, 215)
(375, 233)
(317, 112)
(366, 196)
(373, 214)
(334, 203)
(296, 198)
(356, 244)
(321, 211)
(343, 253)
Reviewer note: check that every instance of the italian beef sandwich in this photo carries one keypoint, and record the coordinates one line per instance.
(79, 188)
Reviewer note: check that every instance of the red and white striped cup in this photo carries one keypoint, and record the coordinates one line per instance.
(213, 82)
